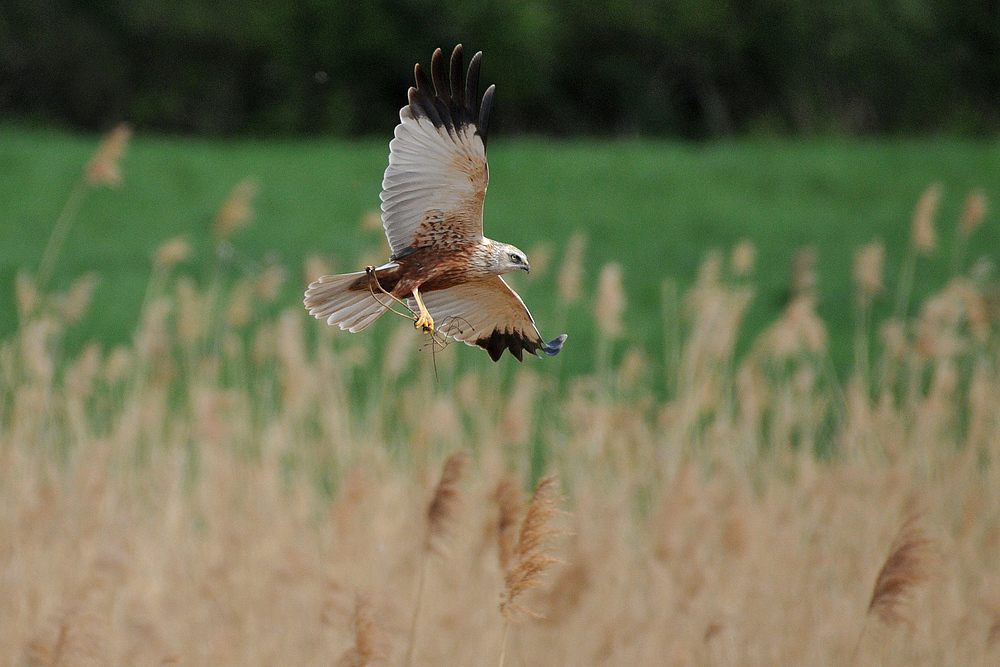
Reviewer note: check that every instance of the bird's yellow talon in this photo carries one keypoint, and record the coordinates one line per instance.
(426, 324)
(424, 320)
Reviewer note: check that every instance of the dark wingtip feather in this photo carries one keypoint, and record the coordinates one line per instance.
(484, 113)
(423, 83)
(553, 346)
(457, 80)
(517, 343)
(437, 74)
(472, 81)
(451, 104)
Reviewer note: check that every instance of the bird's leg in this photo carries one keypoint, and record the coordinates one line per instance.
(424, 320)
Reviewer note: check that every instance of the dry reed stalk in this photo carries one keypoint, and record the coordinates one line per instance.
(510, 508)
(531, 556)
(742, 259)
(371, 221)
(923, 235)
(239, 309)
(541, 258)
(571, 275)
(923, 240)
(868, 263)
(26, 295)
(906, 569)
(315, 266)
(804, 272)
(236, 211)
(447, 501)
(104, 167)
(973, 212)
(368, 644)
(441, 514)
(171, 252)
(609, 303)
(269, 283)
(74, 303)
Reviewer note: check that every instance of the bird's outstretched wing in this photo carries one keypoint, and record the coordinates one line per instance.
(488, 313)
(433, 189)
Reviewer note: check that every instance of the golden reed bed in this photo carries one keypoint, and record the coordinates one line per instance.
(221, 492)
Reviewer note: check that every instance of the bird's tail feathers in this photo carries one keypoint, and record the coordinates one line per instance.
(330, 298)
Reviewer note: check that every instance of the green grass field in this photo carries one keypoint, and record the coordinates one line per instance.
(654, 207)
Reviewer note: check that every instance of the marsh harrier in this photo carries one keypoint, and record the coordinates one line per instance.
(442, 267)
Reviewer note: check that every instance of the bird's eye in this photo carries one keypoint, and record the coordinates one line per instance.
(515, 259)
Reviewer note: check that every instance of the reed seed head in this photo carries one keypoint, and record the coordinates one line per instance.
(510, 508)
(905, 570)
(368, 644)
(532, 555)
(923, 235)
(973, 212)
(571, 275)
(104, 167)
(804, 271)
(742, 260)
(868, 262)
(609, 304)
(236, 211)
(171, 252)
(447, 501)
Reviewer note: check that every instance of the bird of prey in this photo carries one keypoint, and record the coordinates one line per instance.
(442, 267)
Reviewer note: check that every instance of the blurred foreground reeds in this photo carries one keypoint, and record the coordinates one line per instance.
(224, 490)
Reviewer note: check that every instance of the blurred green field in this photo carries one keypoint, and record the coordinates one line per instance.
(654, 207)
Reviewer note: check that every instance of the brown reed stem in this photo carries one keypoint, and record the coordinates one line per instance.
(503, 641)
(416, 610)
(60, 231)
(440, 514)
(905, 284)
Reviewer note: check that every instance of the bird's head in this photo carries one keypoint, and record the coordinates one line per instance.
(509, 258)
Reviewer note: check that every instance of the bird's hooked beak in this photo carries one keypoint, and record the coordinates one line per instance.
(527, 267)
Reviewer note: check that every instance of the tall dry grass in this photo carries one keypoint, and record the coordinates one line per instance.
(224, 490)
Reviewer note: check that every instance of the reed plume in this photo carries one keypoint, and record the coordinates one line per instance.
(170, 252)
(236, 211)
(804, 272)
(447, 501)
(571, 275)
(531, 555)
(923, 235)
(742, 259)
(906, 569)
(368, 646)
(609, 303)
(973, 212)
(510, 508)
(868, 263)
(441, 513)
(923, 240)
(102, 169)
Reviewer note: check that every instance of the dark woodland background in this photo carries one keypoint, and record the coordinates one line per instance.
(688, 69)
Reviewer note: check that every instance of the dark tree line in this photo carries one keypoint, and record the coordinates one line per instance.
(688, 68)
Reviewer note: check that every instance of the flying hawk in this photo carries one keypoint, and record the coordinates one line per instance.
(442, 266)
